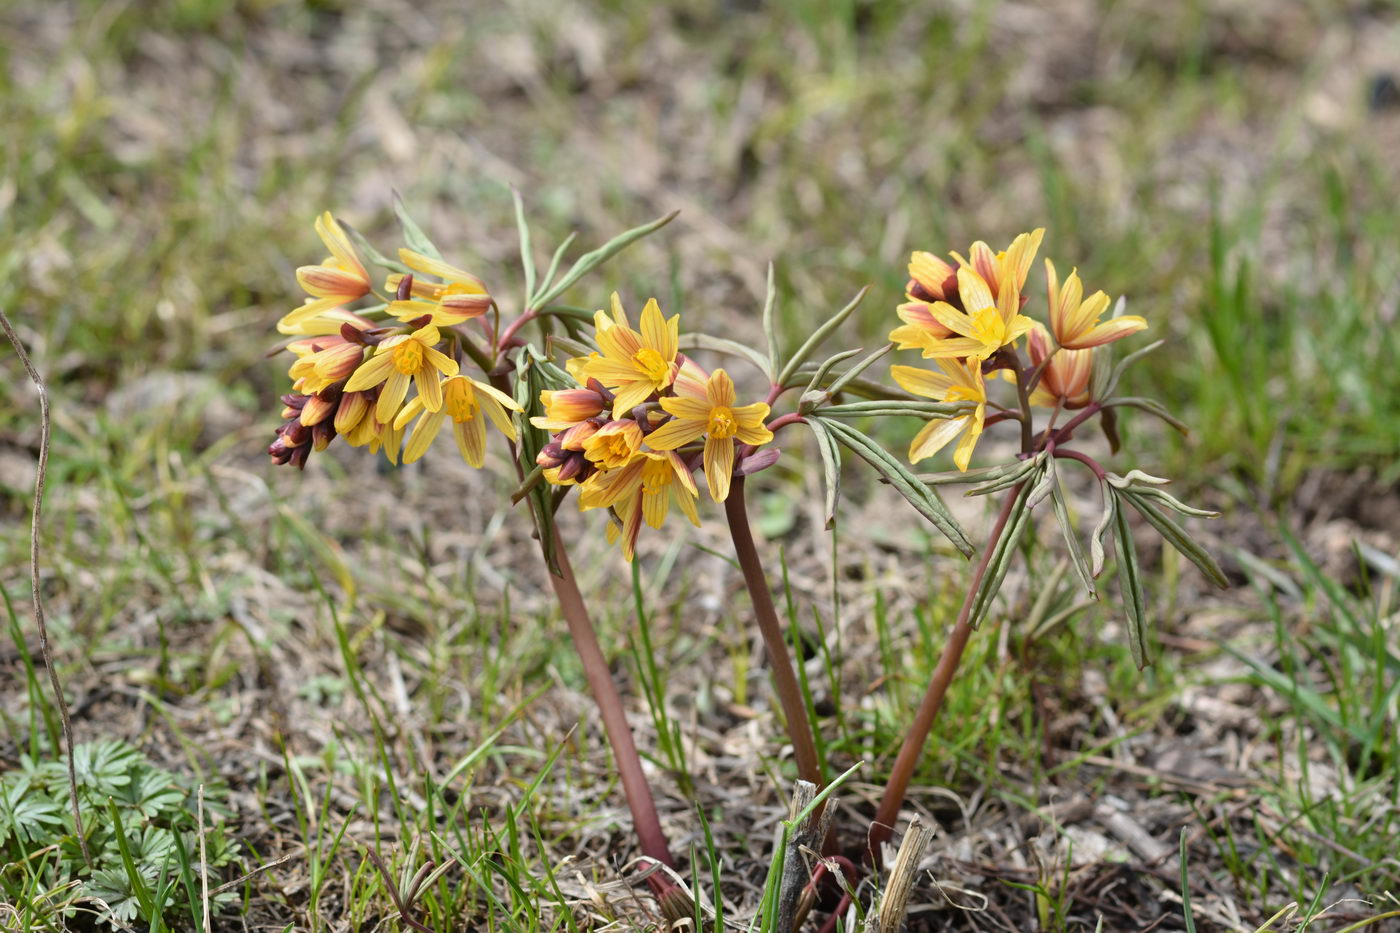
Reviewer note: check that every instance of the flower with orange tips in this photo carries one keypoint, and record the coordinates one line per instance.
(614, 444)
(402, 359)
(340, 279)
(1074, 319)
(460, 296)
(464, 401)
(642, 491)
(954, 381)
(714, 417)
(633, 364)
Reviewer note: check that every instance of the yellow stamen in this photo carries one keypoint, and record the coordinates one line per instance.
(408, 357)
(653, 364)
(722, 422)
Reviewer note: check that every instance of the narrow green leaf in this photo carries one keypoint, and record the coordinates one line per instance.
(770, 327)
(554, 264)
(1007, 478)
(1173, 503)
(1111, 382)
(697, 341)
(927, 410)
(1178, 538)
(1076, 551)
(864, 388)
(825, 368)
(1096, 549)
(1151, 407)
(532, 439)
(1002, 554)
(1130, 584)
(827, 328)
(413, 235)
(857, 368)
(366, 249)
(917, 494)
(831, 466)
(527, 256)
(569, 347)
(592, 260)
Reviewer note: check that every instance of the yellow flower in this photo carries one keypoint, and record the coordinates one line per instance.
(1065, 379)
(460, 296)
(324, 362)
(464, 400)
(322, 324)
(632, 364)
(614, 444)
(957, 381)
(339, 280)
(643, 491)
(930, 279)
(714, 416)
(1008, 268)
(399, 360)
(567, 407)
(1075, 322)
(989, 323)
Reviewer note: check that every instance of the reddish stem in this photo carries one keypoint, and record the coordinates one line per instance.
(1085, 459)
(799, 728)
(605, 694)
(1064, 433)
(883, 826)
(504, 341)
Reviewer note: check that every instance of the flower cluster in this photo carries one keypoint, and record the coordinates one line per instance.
(354, 370)
(966, 317)
(642, 419)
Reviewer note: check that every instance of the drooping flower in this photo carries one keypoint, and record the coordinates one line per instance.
(565, 408)
(464, 401)
(713, 416)
(1065, 379)
(643, 491)
(340, 279)
(323, 361)
(954, 381)
(633, 365)
(399, 360)
(1074, 319)
(460, 296)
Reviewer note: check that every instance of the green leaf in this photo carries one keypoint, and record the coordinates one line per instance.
(831, 466)
(864, 388)
(1076, 552)
(1009, 477)
(917, 494)
(827, 328)
(1130, 584)
(554, 266)
(770, 327)
(1151, 407)
(413, 235)
(696, 341)
(532, 439)
(367, 250)
(818, 396)
(527, 256)
(882, 408)
(1178, 538)
(1002, 553)
(592, 260)
(1096, 549)
(1103, 387)
(859, 367)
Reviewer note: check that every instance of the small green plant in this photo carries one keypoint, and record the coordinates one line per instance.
(142, 828)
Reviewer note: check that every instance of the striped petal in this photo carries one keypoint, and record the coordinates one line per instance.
(675, 433)
(934, 436)
(391, 396)
(422, 436)
(471, 441)
(1107, 332)
(371, 373)
(720, 389)
(923, 382)
(719, 466)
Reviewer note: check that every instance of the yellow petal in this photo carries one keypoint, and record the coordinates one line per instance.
(422, 437)
(675, 433)
(430, 266)
(371, 373)
(720, 389)
(1108, 331)
(934, 436)
(429, 385)
(471, 441)
(391, 396)
(974, 292)
(719, 466)
(923, 382)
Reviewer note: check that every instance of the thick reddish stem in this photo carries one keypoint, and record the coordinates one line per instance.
(804, 747)
(629, 766)
(903, 770)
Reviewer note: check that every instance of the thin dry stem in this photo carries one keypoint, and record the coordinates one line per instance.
(34, 525)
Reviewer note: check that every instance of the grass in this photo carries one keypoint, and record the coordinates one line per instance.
(369, 657)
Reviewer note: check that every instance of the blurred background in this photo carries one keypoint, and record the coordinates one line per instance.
(1230, 166)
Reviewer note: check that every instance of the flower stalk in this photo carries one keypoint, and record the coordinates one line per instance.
(799, 727)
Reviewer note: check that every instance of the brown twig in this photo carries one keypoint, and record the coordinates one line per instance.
(34, 523)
